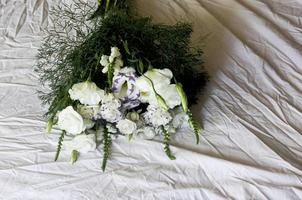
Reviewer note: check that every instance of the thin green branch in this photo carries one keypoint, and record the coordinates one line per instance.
(166, 144)
(60, 141)
(106, 147)
(194, 125)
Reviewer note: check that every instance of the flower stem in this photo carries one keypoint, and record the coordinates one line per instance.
(194, 125)
(106, 148)
(61, 138)
(166, 144)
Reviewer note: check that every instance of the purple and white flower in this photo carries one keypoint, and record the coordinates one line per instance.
(124, 87)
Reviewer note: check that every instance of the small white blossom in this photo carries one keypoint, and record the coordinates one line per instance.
(86, 92)
(104, 61)
(110, 114)
(149, 132)
(111, 128)
(81, 143)
(88, 112)
(157, 116)
(115, 53)
(114, 60)
(71, 121)
(126, 126)
(179, 119)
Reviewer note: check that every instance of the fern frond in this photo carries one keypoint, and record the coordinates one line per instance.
(167, 145)
(61, 138)
(106, 148)
(194, 125)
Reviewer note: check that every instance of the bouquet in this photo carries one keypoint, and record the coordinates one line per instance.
(112, 73)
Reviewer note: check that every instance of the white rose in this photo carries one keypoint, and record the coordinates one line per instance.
(86, 92)
(126, 126)
(71, 121)
(82, 143)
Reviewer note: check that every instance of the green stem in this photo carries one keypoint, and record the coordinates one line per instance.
(166, 144)
(194, 125)
(61, 138)
(110, 75)
(106, 148)
(107, 6)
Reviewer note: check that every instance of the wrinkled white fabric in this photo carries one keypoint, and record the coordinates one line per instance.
(251, 112)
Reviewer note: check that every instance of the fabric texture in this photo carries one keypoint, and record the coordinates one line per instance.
(251, 111)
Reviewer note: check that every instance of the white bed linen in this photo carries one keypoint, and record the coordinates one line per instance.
(251, 112)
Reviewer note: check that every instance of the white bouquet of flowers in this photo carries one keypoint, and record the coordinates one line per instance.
(97, 96)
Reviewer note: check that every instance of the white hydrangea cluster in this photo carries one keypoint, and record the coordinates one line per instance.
(110, 109)
(157, 116)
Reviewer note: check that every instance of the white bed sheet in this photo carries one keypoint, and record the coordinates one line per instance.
(251, 112)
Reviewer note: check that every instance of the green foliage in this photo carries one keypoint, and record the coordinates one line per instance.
(65, 58)
(167, 145)
(194, 125)
(57, 54)
(60, 141)
(106, 147)
(105, 5)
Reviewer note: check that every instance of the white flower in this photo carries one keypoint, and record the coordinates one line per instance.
(169, 93)
(88, 112)
(109, 109)
(104, 61)
(124, 88)
(88, 123)
(86, 92)
(111, 128)
(111, 101)
(114, 59)
(71, 121)
(179, 119)
(161, 80)
(126, 126)
(149, 132)
(157, 116)
(82, 143)
(115, 53)
(110, 114)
